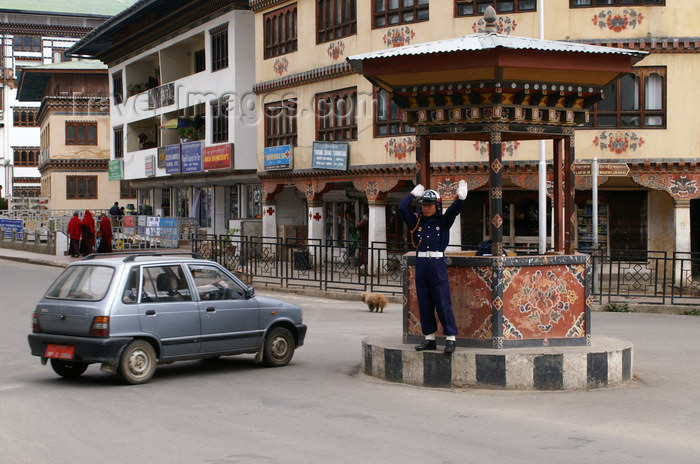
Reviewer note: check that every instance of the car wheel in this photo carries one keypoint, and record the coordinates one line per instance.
(68, 369)
(138, 362)
(279, 347)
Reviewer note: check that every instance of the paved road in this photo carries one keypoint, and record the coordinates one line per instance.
(320, 409)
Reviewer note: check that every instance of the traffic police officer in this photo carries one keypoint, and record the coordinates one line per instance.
(430, 233)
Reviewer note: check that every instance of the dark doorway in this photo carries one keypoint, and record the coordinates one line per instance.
(628, 219)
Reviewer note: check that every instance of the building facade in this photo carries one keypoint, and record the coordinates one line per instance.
(32, 33)
(75, 134)
(332, 147)
(182, 116)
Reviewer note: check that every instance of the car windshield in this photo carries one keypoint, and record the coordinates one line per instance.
(82, 283)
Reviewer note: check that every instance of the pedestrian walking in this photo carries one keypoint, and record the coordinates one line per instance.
(74, 235)
(430, 235)
(105, 234)
(87, 231)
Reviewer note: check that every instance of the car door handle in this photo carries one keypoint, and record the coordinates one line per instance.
(211, 309)
(151, 312)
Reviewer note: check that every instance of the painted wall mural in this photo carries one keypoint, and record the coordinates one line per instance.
(281, 65)
(398, 36)
(618, 22)
(336, 49)
(509, 148)
(679, 186)
(400, 147)
(618, 142)
(504, 25)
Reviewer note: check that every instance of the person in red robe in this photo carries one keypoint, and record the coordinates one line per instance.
(87, 228)
(105, 234)
(74, 235)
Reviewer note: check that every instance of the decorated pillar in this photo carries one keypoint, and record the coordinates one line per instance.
(569, 192)
(496, 192)
(316, 224)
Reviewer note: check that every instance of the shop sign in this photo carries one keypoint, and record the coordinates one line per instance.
(150, 164)
(161, 157)
(330, 155)
(278, 158)
(218, 156)
(8, 225)
(192, 157)
(115, 169)
(172, 159)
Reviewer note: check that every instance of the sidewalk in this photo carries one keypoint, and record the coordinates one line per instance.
(186, 248)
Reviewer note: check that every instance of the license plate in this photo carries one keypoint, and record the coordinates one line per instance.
(59, 351)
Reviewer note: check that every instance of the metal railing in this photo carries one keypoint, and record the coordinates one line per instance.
(622, 276)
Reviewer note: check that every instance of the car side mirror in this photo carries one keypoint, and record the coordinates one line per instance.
(249, 293)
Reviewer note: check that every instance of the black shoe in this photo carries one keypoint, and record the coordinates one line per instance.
(449, 346)
(426, 345)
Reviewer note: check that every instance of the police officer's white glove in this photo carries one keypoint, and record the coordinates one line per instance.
(462, 190)
(418, 191)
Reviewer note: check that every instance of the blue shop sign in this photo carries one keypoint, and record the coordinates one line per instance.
(330, 155)
(191, 157)
(8, 225)
(277, 158)
(172, 159)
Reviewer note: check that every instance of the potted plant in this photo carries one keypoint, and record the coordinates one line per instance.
(228, 241)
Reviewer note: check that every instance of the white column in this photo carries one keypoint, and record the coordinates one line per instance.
(376, 254)
(269, 219)
(455, 230)
(316, 225)
(681, 220)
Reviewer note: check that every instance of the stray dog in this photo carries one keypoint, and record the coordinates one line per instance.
(375, 301)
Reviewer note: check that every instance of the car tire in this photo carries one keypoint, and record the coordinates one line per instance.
(137, 363)
(279, 347)
(68, 369)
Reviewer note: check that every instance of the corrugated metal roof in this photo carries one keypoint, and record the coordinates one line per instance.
(487, 41)
(82, 65)
(67, 7)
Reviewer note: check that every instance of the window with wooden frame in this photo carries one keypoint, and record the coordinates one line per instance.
(26, 156)
(636, 100)
(126, 191)
(336, 115)
(219, 47)
(81, 133)
(388, 117)
(281, 123)
(118, 142)
(597, 3)
(219, 112)
(477, 7)
(335, 19)
(280, 29)
(81, 187)
(394, 12)
(27, 43)
(118, 87)
(24, 117)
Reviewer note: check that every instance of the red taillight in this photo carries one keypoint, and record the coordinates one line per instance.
(100, 327)
(35, 323)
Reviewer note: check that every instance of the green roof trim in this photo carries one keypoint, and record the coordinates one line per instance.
(67, 7)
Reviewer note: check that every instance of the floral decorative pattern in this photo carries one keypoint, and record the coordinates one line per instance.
(618, 22)
(336, 49)
(504, 25)
(618, 142)
(508, 148)
(398, 36)
(399, 148)
(281, 65)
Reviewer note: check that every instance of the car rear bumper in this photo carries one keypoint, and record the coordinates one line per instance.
(301, 333)
(89, 350)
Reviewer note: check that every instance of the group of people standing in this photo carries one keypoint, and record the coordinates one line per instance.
(85, 234)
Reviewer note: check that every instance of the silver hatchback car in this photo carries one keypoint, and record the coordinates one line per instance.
(131, 313)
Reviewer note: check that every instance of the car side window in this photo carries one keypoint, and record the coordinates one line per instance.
(131, 289)
(164, 284)
(212, 284)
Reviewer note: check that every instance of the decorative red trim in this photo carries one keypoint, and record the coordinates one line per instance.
(308, 77)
